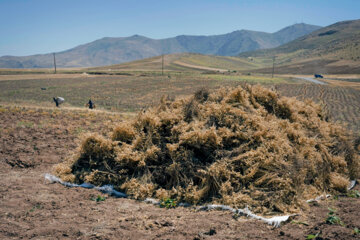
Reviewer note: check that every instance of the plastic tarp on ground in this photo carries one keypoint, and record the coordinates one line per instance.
(108, 189)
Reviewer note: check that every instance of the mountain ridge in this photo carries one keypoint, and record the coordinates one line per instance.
(114, 50)
(332, 49)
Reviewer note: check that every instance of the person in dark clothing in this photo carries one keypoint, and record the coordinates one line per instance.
(56, 102)
(90, 104)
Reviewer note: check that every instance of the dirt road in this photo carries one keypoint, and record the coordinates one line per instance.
(199, 67)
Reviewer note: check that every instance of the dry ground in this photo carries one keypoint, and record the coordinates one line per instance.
(33, 140)
(114, 92)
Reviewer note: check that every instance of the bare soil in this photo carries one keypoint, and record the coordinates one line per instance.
(315, 65)
(32, 141)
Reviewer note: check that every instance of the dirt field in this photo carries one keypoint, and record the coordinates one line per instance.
(33, 140)
(342, 102)
(115, 93)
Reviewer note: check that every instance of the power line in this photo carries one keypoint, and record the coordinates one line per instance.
(54, 63)
(162, 64)
(273, 68)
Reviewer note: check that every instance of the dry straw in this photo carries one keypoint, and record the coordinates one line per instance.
(241, 147)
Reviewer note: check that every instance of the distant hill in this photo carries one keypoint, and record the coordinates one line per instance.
(182, 62)
(333, 49)
(108, 51)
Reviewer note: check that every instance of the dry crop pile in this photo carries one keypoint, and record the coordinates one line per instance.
(242, 147)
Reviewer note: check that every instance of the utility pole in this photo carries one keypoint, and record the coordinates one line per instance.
(162, 64)
(272, 75)
(54, 63)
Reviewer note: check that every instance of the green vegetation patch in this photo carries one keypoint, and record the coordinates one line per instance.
(333, 218)
(168, 203)
(99, 198)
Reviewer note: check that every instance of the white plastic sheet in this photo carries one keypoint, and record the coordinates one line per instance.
(108, 189)
(352, 184)
(274, 221)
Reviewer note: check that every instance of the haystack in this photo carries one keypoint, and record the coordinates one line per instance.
(245, 146)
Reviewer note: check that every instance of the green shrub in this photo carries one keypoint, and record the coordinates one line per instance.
(99, 198)
(332, 218)
(168, 203)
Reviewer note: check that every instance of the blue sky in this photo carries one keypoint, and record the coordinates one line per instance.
(43, 26)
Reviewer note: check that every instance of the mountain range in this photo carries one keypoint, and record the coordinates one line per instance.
(108, 51)
(332, 49)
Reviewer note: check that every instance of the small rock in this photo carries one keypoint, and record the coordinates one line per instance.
(166, 223)
(211, 232)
